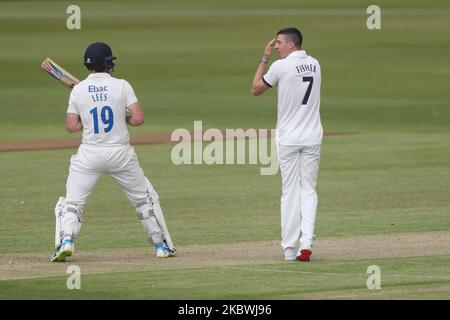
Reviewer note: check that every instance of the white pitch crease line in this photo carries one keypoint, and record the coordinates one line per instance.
(226, 13)
(338, 274)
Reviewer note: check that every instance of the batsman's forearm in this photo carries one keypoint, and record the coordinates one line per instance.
(77, 127)
(132, 122)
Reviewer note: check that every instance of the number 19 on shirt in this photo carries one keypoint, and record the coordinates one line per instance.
(107, 118)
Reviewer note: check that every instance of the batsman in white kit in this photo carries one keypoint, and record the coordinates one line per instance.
(299, 137)
(102, 106)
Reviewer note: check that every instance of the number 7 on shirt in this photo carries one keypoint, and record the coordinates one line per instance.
(308, 90)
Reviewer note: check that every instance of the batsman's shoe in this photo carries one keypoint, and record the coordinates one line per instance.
(305, 255)
(65, 249)
(163, 251)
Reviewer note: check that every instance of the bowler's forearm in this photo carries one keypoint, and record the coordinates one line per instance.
(258, 74)
(258, 86)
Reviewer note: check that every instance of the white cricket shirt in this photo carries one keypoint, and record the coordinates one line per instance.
(101, 102)
(298, 78)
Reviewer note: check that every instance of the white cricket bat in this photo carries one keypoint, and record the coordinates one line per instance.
(64, 77)
(58, 73)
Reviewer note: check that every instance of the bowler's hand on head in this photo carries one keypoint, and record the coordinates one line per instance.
(268, 48)
(258, 86)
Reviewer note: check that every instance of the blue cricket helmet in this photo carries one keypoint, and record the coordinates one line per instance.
(99, 54)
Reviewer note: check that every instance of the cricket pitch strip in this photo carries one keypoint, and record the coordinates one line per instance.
(15, 266)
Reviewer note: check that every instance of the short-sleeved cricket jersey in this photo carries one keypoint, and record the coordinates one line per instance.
(101, 102)
(298, 78)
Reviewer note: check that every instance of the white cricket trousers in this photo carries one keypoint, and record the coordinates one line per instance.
(122, 165)
(93, 161)
(299, 166)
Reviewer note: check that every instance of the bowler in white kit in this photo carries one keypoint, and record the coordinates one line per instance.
(299, 137)
(102, 106)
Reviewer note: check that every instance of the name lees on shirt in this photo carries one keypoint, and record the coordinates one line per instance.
(98, 93)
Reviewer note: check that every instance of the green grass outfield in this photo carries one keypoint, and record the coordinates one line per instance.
(195, 62)
(279, 281)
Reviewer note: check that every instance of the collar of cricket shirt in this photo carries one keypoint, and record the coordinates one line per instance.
(297, 53)
(99, 75)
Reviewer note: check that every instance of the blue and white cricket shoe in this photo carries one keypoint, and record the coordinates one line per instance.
(163, 251)
(65, 249)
